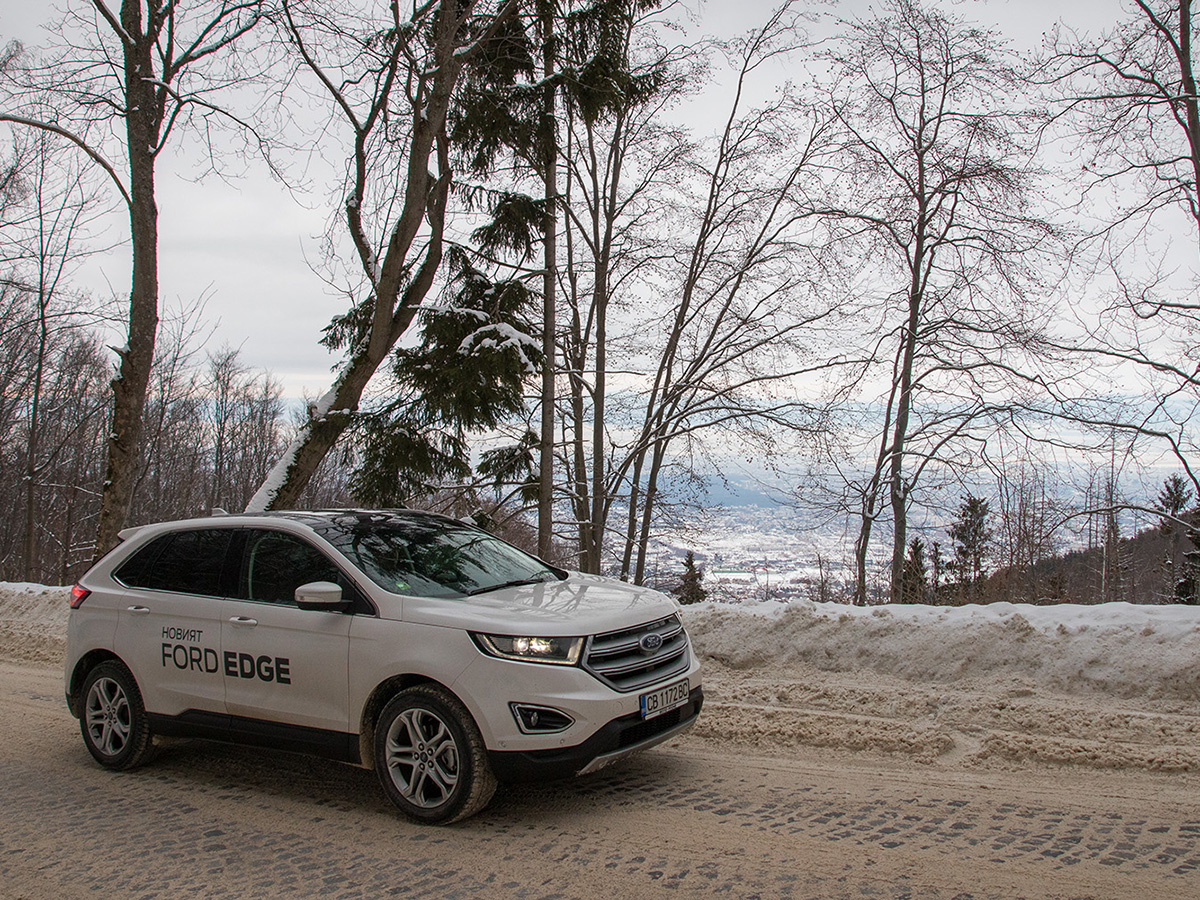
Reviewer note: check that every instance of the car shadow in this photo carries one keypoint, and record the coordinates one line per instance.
(212, 766)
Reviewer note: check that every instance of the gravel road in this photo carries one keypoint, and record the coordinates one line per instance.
(701, 817)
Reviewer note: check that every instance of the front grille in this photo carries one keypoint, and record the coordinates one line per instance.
(617, 657)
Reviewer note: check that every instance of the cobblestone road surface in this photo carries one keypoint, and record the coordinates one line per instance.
(210, 821)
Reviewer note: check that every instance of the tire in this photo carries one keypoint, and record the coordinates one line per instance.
(430, 757)
(113, 719)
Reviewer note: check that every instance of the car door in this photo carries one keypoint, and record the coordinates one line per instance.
(169, 622)
(283, 664)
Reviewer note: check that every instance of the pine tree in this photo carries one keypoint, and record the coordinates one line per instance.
(690, 589)
(935, 560)
(1173, 501)
(467, 374)
(915, 586)
(557, 59)
(971, 537)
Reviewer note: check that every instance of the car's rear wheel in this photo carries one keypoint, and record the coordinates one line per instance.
(430, 756)
(113, 718)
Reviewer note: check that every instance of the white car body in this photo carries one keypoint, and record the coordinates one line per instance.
(221, 666)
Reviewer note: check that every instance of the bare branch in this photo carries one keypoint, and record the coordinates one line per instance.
(79, 142)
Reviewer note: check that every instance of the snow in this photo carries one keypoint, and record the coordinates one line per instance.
(1116, 649)
(278, 475)
(1112, 686)
(1109, 687)
(33, 621)
(500, 336)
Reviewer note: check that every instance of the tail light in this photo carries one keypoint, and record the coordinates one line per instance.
(78, 594)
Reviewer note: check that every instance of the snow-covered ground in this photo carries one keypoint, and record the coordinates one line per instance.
(1110, 686)
(1114, 649)
(33, 622)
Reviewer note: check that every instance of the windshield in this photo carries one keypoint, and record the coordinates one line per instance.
(432, 557)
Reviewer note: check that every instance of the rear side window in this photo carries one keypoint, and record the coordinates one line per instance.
(278, 563)
(190, 562)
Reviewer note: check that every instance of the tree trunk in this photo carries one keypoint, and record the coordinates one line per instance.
(31, 452)
(1189, 98)
(142, 119)
(916, 300)
(549, 286)
(898, 490)
(596, 522)
(292, 473)
(579, 501)
(575, 357)
(606, 209)
(635, 484)
(862, 545)
(659, 452)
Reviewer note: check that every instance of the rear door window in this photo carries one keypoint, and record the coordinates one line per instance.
(187, 562)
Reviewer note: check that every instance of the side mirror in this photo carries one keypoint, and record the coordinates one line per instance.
(320, 595)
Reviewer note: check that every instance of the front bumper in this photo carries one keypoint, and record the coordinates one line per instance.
(619, 738)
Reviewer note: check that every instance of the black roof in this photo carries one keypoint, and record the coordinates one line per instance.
(318, 518)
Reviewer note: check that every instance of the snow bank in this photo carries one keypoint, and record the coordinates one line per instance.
(1116, 649)
(33, 621)
(1113, 649)
(1105, 687)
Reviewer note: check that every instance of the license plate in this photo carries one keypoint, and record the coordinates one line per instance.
(664, 699)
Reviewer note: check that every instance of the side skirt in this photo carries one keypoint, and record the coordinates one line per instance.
(212, 726)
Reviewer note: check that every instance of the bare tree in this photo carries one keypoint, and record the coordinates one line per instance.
(173, 460)
(245, 427)
(1029, 516)
(747, 321)
(146, 68)
(76, 405)
(1133, 92)
(48, 243)
(935, 204)
(1128, 98)
(607, 205)
(716, 230)
(390, 82)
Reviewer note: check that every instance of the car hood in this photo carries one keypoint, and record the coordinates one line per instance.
(578, 605)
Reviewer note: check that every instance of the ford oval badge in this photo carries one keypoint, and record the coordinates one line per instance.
(650, 642)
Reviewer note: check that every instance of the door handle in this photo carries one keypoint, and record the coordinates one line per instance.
(243, 620)
(139, 610)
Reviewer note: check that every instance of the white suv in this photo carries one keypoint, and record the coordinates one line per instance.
(425, 648)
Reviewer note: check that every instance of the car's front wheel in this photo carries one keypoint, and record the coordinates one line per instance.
(430, 756)
(113, 719)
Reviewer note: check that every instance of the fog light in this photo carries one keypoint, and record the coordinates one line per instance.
(540, 719)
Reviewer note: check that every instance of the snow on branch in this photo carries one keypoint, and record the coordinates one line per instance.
(501, 336)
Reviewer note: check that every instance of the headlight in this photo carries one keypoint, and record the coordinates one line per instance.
(558, 651)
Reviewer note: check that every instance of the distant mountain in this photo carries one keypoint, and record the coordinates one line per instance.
(1137, 575)
(737, 491)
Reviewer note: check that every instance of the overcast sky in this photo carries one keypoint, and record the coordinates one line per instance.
(243, 244)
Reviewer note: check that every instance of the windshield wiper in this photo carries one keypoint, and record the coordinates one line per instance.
(516, 582)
